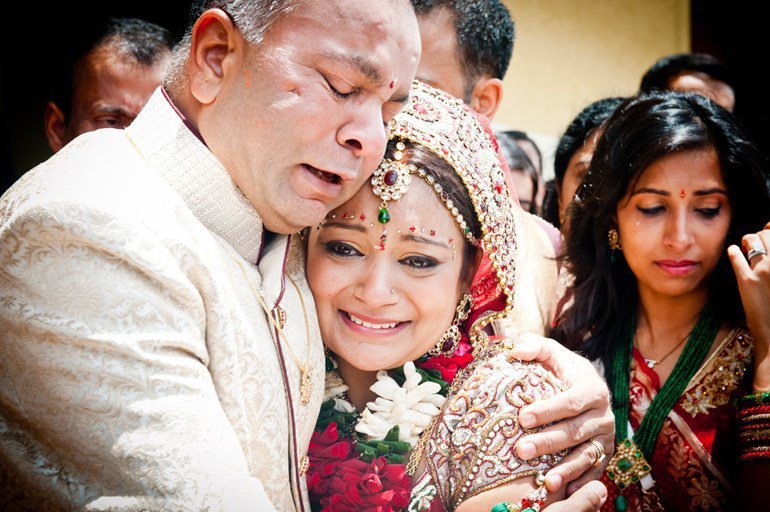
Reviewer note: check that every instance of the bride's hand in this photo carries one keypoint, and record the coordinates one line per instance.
(580, 414)
(753, 279)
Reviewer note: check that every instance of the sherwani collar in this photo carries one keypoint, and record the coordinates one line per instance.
(180, 157)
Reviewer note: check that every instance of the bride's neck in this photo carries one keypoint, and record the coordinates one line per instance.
(359, 382)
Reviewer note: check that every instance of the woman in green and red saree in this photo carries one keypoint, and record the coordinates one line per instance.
(683, 342)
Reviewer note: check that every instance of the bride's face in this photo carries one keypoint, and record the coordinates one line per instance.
(379, 308)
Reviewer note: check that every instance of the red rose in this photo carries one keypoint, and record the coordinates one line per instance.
(326, 452)
(367, 486)
(449, 366)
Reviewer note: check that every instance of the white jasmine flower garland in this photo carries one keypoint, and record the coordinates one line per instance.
(411, 406)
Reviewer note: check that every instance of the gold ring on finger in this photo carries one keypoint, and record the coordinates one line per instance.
(599, 451)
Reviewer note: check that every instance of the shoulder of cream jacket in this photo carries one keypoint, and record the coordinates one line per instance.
(536, 293)
(137, 368)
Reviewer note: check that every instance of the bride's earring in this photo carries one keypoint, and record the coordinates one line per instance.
(449, 341)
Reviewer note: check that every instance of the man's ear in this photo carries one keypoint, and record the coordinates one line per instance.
(214, 43)
(486, 96)
(55, 126)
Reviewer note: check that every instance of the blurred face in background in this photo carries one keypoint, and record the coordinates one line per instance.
(703, 84)
(576, 170)
(109, 90)
(524, 188)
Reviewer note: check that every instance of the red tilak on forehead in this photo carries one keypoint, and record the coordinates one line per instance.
(681, 193)
(393, 83)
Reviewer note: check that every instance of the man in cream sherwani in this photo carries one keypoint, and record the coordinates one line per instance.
(153, 353)
(138, 370)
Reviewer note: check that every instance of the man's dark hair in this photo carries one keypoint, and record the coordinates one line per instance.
(134, 39)
(666, 69)
(485, 33)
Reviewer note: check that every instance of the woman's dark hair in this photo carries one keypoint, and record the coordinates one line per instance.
(576, 134)
(454, 190)
(517, 159)
(643, 130)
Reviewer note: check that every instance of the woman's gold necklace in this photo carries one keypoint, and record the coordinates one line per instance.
(306, 379)
(651, 363)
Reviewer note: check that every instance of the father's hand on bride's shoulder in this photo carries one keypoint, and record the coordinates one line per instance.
(581, 415)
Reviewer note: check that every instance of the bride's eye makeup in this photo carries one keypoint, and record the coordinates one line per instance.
(340, 249)
(419, 262)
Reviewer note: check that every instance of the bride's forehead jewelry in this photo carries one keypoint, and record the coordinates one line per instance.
(391, 180)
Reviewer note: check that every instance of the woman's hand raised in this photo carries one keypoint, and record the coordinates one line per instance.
(753, 275)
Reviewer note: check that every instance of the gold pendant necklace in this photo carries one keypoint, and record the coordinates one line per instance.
(306, 379)
(628, 465)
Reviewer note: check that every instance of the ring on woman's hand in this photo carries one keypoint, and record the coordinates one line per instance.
(599, 451)
(755, 251)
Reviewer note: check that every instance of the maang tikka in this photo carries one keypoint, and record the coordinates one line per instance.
(391, 180)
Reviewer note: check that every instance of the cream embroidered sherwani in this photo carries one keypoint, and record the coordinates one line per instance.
(137, 369)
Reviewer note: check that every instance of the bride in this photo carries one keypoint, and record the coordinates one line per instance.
(421, 402)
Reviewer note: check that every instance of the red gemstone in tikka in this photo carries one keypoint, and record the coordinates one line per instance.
(390, 178)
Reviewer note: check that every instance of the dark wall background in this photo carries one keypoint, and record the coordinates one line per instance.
(736, 33)
(42, 36)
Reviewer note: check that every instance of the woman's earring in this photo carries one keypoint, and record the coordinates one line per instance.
(614, 239)
(449, 341)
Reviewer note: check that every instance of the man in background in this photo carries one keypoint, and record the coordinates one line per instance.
(109, 81)
(466, 48)
(692, 72)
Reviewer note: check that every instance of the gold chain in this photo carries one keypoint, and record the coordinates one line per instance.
(306, 382)
(653, 362)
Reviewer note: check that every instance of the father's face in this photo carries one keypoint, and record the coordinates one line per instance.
(311, 103)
